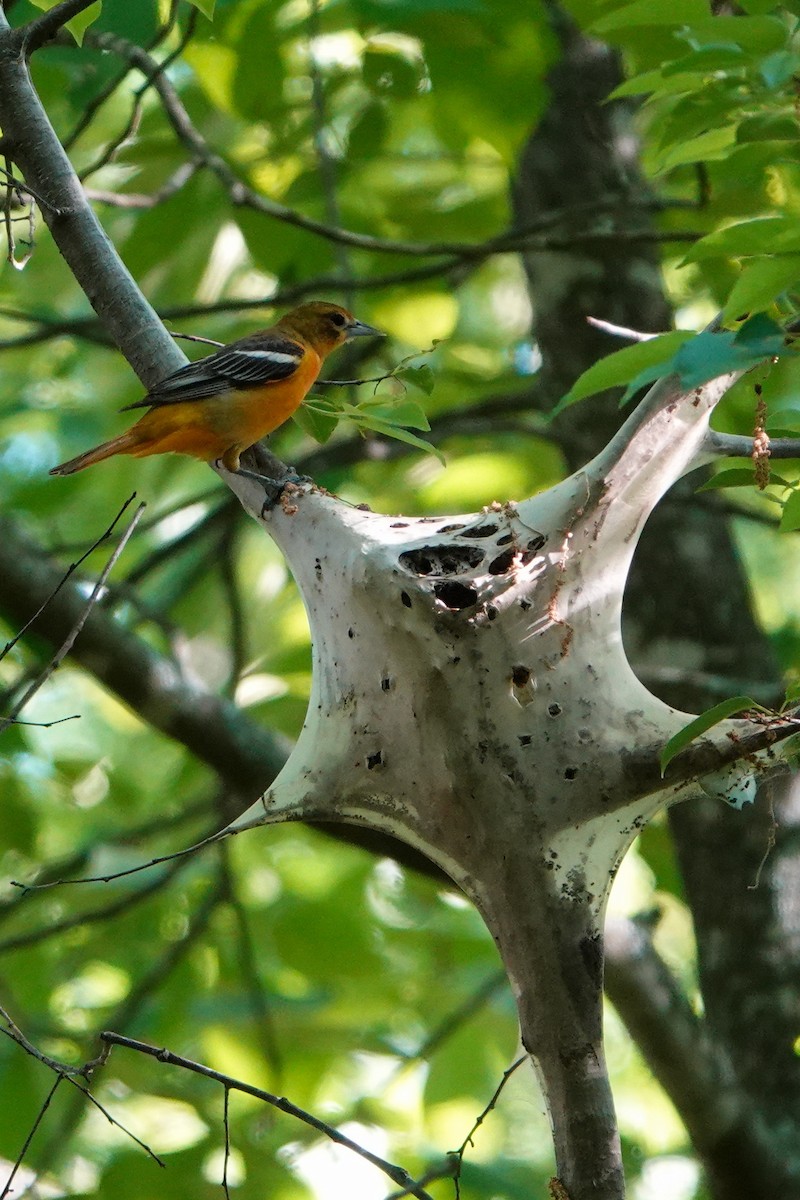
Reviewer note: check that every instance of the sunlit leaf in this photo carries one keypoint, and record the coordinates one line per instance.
(621, 366)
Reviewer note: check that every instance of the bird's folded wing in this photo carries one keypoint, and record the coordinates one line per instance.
(248, 363)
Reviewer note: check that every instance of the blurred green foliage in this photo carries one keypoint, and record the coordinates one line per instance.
(292, 961)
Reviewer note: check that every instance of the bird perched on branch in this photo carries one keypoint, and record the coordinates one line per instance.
(215, 408)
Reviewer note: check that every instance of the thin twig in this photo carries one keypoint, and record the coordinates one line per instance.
(155, 826)
(458, 1154)
(47, 724)
(14, 1032)
(146, 200)
(113, 1121)
(69, 571)
(226, 1125)
(69, 641)
(123, 904)
(26, 888)
(40, 1116)
(195, 337)
(397, 1174)
(128, 133)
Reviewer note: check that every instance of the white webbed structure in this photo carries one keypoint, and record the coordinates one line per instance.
(471, 696)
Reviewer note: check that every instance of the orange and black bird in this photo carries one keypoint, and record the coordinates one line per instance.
(215, 408)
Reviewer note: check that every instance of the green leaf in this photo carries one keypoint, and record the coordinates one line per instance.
(707, 58)
(790, 517)
(760, 282)
(317, 425)
(768, 127)
(422, 378)
(702, 724)
(658, 84)
(396, 412)
(399, 435)
(757, 34)
(758, 7)
(730, 478)
(652, 12)
(762, 235)
(206, 7)
(622, 365)
(709, 146)
(78, 25)
(711, 354)
(733, 477)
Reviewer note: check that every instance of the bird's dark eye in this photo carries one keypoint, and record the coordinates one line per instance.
(338, 319)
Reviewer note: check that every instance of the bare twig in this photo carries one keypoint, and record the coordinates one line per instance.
(195, 337)
(69, 641)
(112, 1120)
(9, 220)
(155, 827)
(93, 107)
(226, 1124)
(69, 571)
(458, 1155)
(13, 1031)
(397, 1174)
(145, 200)
(7, 1190)
(125, 903)
(25, 888)
(30, 138)
(48, 724)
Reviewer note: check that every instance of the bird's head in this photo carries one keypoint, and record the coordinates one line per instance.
(325, 326)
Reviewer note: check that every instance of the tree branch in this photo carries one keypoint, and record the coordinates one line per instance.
(397, 1174)
(731, 445)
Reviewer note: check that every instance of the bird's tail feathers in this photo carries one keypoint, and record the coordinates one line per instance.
(123, 444)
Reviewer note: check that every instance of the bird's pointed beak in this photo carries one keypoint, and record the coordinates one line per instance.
(359, 329)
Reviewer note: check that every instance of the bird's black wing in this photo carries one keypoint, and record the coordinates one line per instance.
(248, 363)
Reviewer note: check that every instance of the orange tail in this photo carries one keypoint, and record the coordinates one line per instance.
(124, 444)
